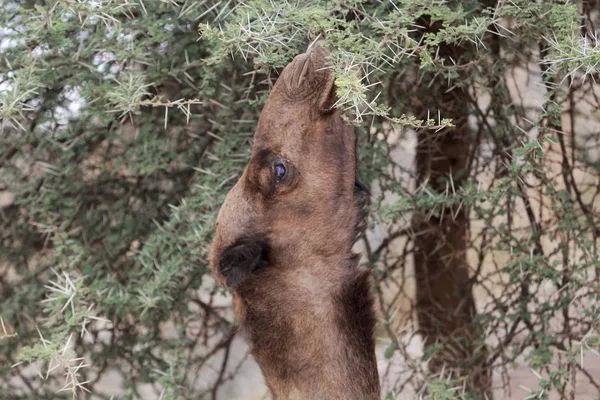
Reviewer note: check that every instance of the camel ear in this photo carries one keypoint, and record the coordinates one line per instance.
(242, 258)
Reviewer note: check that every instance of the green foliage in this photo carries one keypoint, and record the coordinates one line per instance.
(124, 123)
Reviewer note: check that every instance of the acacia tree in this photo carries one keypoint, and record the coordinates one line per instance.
(444, 302)
(125, 123)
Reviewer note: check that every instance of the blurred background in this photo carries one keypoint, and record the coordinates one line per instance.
(124, 123)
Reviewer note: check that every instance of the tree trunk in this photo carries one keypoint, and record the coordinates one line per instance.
(445, 307)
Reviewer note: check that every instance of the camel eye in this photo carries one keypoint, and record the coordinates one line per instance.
(280, 171)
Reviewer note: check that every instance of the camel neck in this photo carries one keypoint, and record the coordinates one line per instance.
(313, 339)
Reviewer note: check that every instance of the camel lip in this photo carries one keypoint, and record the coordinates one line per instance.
(305, 67)
(304, 70)
(319, 43)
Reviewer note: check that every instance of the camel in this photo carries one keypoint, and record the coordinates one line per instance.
(283, 244)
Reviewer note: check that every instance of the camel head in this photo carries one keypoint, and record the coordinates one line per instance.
(297, 197)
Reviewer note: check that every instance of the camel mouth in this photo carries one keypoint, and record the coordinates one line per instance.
(301, 70)
(243, 257)
(307, 74)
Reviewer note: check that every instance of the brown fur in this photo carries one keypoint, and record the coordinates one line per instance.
(285, 248)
